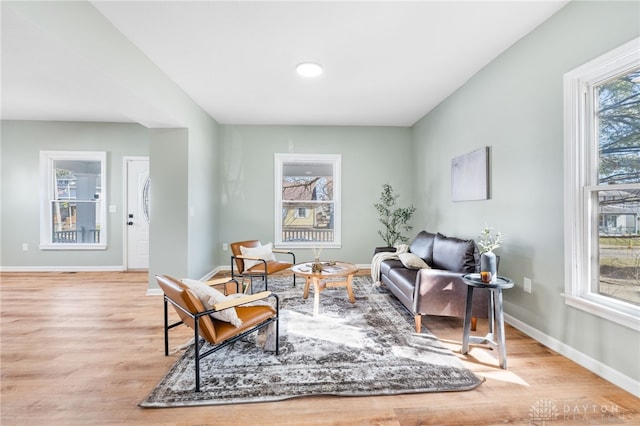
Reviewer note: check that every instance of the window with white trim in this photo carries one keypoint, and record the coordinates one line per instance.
(307, 200)
(73, 205)
(602, 186)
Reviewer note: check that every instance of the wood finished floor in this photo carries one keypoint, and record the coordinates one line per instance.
(86, 348)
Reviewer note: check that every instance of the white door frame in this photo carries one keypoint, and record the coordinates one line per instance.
(125, 206)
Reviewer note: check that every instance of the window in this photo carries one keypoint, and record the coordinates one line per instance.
(307, 200)
(72, 212)
(602, 186)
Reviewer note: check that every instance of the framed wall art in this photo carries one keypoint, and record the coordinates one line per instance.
(470, 176)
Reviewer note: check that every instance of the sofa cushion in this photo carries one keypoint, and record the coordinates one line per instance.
(387, 265)
(422, 246)
(412, 261)
(259, 252)
(454, 254)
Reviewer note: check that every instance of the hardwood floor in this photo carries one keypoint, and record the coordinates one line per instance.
(86, 348)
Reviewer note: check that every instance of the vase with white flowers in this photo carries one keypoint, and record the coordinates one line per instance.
(488, 242)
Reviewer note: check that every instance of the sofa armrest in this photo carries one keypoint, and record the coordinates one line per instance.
(441, 292)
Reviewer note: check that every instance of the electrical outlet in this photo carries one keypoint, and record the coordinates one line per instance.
(225, 246)
(527, 285)
(25, 247)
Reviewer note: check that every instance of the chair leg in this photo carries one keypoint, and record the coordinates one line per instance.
(474, 323)
(166, 328)
(277, 324)
(277, 336)
(196, 342)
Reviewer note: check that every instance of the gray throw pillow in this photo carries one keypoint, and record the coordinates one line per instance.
(412, 261)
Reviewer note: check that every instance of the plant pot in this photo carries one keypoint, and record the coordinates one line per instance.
(489, 263)
(384, 249)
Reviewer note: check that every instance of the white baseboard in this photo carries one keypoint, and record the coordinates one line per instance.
(213, 272)
(56, 268)
(614, 376)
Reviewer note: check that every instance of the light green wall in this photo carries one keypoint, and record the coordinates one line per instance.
(21, 144)
(203, 189)
(84, 31)
(514, 105)
(371, 156)
(168, 228)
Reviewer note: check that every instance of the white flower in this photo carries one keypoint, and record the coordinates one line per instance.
(488, 242)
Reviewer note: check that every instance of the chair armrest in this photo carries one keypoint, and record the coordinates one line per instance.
(281, 251)
(286, 252)
(241, 256)
(218, 281)
(241, 300)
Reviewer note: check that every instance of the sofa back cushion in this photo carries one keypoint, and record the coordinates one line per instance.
(454, 254)
(422, 246)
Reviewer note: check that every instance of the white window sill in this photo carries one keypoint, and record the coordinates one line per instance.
(620, 313)
(73, 246)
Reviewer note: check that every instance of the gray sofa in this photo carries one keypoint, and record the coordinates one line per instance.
(439, 289)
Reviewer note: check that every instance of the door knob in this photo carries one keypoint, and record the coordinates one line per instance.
(129, 223)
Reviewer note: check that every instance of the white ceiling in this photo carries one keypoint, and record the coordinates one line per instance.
(386, 63)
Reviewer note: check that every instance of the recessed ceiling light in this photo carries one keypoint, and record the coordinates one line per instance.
(309, 69)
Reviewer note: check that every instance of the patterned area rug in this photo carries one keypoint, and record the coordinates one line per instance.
(366, 348)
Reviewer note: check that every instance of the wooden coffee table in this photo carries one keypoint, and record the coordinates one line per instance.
(324, 279)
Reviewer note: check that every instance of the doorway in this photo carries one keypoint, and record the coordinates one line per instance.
(137, 213)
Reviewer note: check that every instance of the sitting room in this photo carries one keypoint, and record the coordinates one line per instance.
(141, 140)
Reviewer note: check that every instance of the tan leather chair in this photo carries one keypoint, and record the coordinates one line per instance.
(263, 269)
(218, 333)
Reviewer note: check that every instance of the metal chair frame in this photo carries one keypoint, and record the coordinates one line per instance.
(218, 346)
(252, 275)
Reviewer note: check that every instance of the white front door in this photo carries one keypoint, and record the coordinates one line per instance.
(137, 213)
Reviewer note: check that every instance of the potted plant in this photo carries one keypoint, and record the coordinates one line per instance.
(487, 243)
(395, 219)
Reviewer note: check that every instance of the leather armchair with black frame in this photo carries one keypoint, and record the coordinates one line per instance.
(217, 333)
(263, 268)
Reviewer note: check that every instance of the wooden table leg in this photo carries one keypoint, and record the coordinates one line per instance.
(316, 296)
(307, 282)
(352, 297)
(319, 285)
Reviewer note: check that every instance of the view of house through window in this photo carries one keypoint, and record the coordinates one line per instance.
(307, 188)
(602, 186)
(73, 199)
(618, 187)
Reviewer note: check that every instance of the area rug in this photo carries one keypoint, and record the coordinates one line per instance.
(366, 348)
